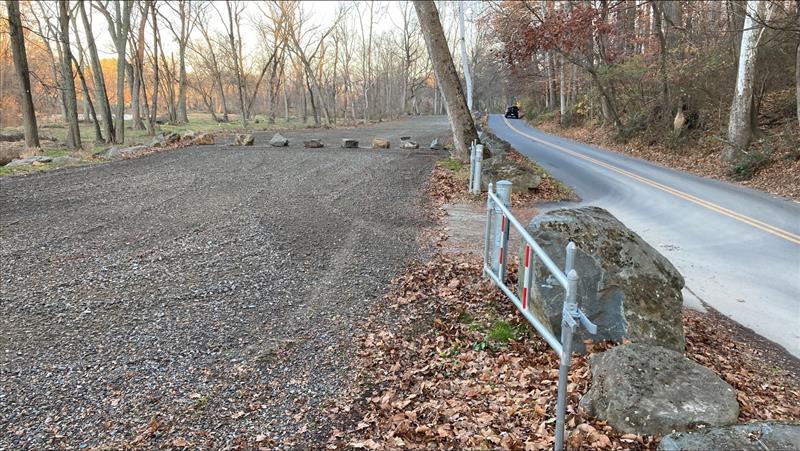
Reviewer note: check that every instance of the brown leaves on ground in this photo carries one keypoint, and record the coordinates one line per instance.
(448, 186)
(440, 378)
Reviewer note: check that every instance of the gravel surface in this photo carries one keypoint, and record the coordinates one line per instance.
(205, 296)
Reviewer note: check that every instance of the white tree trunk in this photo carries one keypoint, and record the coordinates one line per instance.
(739, 126)
(562, 91)
(464, 59)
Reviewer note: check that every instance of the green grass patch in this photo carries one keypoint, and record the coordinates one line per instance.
(452, 165)
(502, 332)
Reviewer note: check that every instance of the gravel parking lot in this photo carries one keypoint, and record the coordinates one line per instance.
(202, 297)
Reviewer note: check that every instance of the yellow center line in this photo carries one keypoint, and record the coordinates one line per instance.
(789, 236)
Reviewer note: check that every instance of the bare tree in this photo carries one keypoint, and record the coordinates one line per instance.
(739, 123)
(233, 26)
(21, 66)
(119, 24)
(186, 13)
(100, 92)
(70, 99)
(460, 117)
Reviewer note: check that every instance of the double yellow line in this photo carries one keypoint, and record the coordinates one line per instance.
(789, 236)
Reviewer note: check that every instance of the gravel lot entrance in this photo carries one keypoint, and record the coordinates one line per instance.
(206, 296)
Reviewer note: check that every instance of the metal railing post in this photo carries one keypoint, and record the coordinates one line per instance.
(471, 167)
(487, 253)
(568, 325)
(478, 162)
(501, 229)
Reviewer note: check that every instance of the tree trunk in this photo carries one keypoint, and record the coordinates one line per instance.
(464, 59)
(71, 102)
(100, 92)
(89, 106)
(123, 26)
(21, 66)
(457, 111)
(234, 55)
(182, 116)
(797, 73)
(666, 114)
(739, 122)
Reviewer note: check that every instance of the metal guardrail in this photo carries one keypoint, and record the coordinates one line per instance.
(475, 161)
(499, 221)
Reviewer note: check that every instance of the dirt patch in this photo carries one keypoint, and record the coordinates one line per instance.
(202, 298)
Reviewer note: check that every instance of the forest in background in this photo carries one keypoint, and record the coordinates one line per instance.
(661, 74)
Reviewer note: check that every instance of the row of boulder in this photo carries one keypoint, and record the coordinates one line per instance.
(634, 296)
(279, 140)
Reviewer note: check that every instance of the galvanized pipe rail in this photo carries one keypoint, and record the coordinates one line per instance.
(499, 221)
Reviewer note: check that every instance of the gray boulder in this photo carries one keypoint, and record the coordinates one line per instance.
(164, 139)
(349, 143)
(497, 168)
(243, 139)
(644, 389)
(435, 144)
(313, 143)
(409, 145)
(757, 436)
(627, 288)
(39, 159)
(278, 140)
(119, 152)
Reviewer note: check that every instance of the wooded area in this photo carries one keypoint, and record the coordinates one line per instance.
(680, 72)
(662, 68)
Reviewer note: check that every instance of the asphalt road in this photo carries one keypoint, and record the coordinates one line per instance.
(738, 249)
(204, 297)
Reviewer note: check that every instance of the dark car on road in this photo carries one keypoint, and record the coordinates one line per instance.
(512, 112)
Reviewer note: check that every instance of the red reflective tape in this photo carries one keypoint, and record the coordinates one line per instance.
(503, 224)
(527, 255)
(525, 297)
(501, 256)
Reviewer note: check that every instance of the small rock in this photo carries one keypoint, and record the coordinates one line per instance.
(409, 145)
(36, 159)
(119, 152)
(381, 143)
(278, 140)
(642, 389)
(203, 139)
(435, 144)
(189, 134)
(349, 143)
(756, 436)
(313, 143)
(243, 139)
(522, 177)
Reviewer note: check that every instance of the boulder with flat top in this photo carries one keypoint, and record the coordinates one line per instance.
(756, 436)
(522, 177)
(643, 389)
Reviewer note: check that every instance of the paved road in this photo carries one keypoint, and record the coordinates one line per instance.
(738, 249)
(207, 295)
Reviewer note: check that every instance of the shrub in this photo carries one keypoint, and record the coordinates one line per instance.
(747, 165)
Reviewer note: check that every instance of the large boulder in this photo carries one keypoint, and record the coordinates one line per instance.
(381, 143)
(757, 436)
(522, 177)
(627, 288)
(119, 152)
(349, 143)
(203, 139)
(243, 139)
(644, 389)
(313, 143)
(279, 140)
(409, 145)
(435, 144)
(36, 159)
(164, 139)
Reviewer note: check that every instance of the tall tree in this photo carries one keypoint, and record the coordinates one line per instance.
(460, 117)
(70, 97)
(185, 11)
(119, 25)
(100, 92)
(21, 66)
(739, 122)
